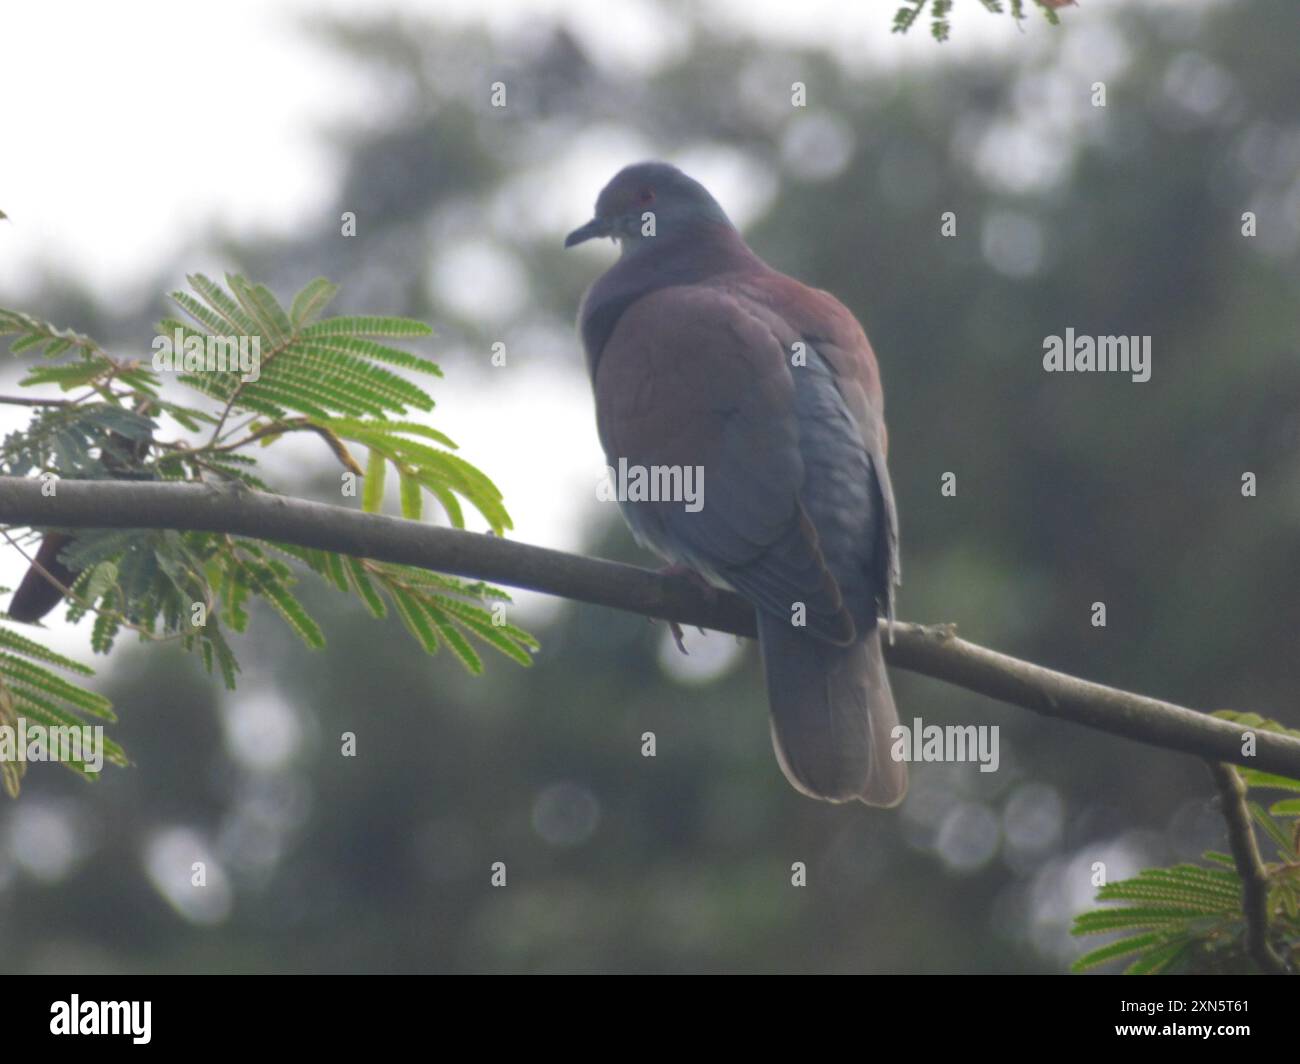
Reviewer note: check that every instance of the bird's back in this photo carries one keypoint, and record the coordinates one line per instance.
(769, 388)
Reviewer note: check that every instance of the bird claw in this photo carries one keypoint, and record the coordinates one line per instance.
(678, 634)
(678, 570)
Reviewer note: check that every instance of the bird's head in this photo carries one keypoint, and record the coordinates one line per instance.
(649, 201)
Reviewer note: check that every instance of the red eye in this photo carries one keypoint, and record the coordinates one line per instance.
(647, 195)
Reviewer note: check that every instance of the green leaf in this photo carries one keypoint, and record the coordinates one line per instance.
(225, 316)
(412, 499)
(18, 672)
(448, 501)
(36, 708)
(67, 377)
(1181, 880)
(416, 620)
(368, 325)
(330, 349)
(372, 494)
(11, 640)
(1254, 722)
(357, 428)
(509, 640)
(1272, 828)
(361, 581)
(26, 343)
(1200, 899)
(1155, 961)
(337, 570)
(103, 632)
(262, 306)
(1101, 920)
(1122, 948)
(266, 583)
(458, 643)
(308, 303)
(1255, 778)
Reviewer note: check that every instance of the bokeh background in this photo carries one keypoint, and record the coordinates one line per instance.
(145, 142)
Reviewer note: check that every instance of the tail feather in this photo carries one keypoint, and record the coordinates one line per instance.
(832, 715)
(36, 596)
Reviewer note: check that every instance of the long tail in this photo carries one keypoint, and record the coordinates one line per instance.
(36, 596)
(832, 714)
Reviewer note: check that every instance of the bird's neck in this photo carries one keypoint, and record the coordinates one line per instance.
(702, 248)
(665, 261)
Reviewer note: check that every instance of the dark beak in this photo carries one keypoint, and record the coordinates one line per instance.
(594, 228)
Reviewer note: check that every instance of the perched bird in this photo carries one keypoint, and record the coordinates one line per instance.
(702, 357)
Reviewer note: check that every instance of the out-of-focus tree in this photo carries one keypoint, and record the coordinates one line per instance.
(1121, 219)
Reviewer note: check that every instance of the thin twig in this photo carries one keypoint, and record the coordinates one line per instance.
(25, 400)
(282, 428)
(1254, 879)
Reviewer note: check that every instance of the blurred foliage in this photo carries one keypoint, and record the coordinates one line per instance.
(1123, 219)
(1190, 918)
(30, 691)
(941, 13)
(322, 375)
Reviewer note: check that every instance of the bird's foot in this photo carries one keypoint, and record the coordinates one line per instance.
(678, 637)
(677, 570)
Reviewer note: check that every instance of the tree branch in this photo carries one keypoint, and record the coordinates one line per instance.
(931, 651)
(1254, 879)
(26, 400)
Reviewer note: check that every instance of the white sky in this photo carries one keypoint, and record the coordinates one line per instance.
(107, 164)
(108, 158)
